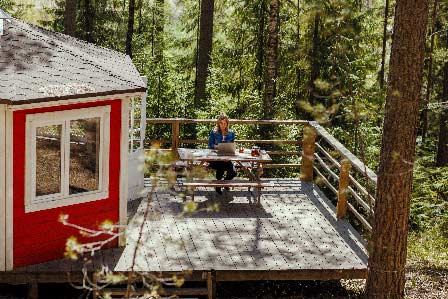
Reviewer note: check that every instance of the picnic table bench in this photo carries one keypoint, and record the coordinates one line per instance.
(256, 185)
(252, 167)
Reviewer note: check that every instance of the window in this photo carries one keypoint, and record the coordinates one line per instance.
(67, 157)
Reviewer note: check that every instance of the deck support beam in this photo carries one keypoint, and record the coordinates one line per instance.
(343, 191)
(175, 128)
(308, 148)
(33, 290)
(211, 284)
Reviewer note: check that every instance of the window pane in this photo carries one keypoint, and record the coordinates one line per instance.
(84, 155)
(48, 160)
(134, 117)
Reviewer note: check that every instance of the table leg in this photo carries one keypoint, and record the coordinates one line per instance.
(258, 175)
(189, 179)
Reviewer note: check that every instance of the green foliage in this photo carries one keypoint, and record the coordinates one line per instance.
(428, 248)
(15, 9)
(108, 19)
(429, 204)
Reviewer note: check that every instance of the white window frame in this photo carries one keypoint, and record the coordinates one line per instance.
(35, 203)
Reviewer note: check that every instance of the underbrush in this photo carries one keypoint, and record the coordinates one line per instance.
(428, 249)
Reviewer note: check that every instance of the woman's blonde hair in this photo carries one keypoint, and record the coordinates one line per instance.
(220, 117)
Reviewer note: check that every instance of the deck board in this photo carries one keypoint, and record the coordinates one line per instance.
(294, 229)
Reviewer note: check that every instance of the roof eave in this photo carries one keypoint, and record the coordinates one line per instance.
(74, 96)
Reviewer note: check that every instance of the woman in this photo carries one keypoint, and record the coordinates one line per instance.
(222, 133)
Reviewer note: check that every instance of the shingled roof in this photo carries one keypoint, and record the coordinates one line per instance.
(37, 65)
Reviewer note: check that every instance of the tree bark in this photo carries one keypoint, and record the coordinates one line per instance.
(315, 63)
(386, 276)
(298, 73)
(271, 61)
(383, 53)
(130, 32)
(260, 47)
(89, 16)
(158, 49)
(140, 20)
(205, 51)
(442, 149)
(159, 25)
(70, 17)
(424, 120)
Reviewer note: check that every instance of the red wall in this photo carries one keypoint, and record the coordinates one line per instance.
(38, 236)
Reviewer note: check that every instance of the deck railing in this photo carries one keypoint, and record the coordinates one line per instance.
(355, 180)
(177, 140)
(322, 157)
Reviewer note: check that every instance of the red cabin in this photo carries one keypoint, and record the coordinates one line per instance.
(64, 142)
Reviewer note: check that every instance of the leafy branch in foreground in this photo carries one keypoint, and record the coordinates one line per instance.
(158, 165)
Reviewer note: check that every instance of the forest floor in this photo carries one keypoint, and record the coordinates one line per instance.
(421, 282)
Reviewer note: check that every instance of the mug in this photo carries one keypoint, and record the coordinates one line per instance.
(255, 151)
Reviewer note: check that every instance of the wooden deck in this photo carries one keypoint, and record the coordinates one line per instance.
(293, 234)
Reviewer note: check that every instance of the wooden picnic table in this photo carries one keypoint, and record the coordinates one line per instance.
(251, 165)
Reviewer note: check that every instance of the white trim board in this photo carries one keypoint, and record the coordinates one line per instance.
(124, 159)
(73, 101)
(2, 188)
(9, 191)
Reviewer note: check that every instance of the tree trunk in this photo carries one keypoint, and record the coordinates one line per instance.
(130, 32)
(315, 63)
(140, 20)
(383, 53)
(70, 17)
(271, 61)
(386, 276)
(240, 64)
(260, 47)
(205, 51)
(442, 149)
(158, 49)
(159, 25)
(298, 73)
(424, 120)
(89, 16)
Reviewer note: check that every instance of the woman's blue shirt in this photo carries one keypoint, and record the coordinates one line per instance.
(216, 137)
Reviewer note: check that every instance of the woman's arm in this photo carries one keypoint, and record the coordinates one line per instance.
(230, 136)
(211, 140)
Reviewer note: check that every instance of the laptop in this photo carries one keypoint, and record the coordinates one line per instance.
(226, 149)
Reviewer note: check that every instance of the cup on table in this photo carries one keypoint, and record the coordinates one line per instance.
(255, 151)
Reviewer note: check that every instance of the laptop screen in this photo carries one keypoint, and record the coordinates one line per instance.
(226, 148)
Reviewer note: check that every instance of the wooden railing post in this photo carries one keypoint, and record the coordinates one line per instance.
(306, 167)
(344, 181)
(174, 135)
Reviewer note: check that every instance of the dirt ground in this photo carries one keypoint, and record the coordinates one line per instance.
(421, 283)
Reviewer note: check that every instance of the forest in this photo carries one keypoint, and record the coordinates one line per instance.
(323, 60)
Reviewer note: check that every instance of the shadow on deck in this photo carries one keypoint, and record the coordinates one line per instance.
(292, 235)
